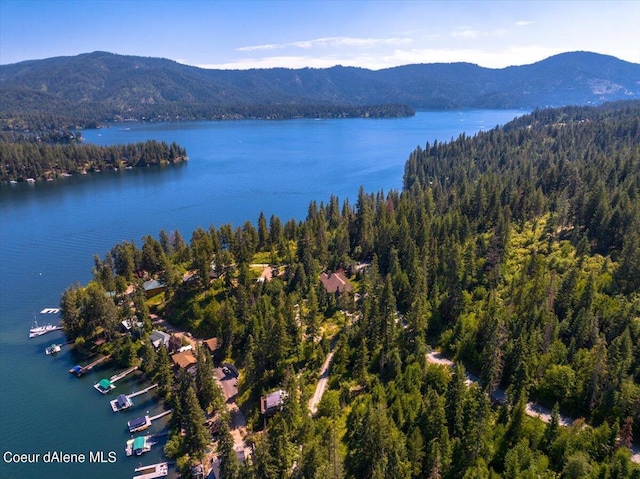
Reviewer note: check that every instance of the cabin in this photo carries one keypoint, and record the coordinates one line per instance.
(185, 360)
(335, 282)
(159, 338)
(153, 287)
(272, 402)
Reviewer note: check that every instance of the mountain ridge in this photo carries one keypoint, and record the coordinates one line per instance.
(139, 86)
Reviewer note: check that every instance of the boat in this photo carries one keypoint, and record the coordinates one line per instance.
(53, 349)
(40, 330)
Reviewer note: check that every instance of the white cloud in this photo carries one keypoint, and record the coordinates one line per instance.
(376, 60)
(331, 42)
(523, 23)
(465, 33)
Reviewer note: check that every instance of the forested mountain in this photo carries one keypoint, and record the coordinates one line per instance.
(102, 86)
(515, 252)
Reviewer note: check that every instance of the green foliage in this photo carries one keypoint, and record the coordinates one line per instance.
(514, 250)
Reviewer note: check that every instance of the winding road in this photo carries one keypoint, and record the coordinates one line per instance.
(533, 409)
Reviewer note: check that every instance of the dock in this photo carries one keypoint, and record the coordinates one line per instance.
(119, 376)
(80, 370)
(142, 391)
(139, 445)
(142, 423)
(123, 401)
(106, 385)
(160, 469)
(50, 311)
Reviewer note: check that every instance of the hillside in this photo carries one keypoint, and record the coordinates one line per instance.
(515, 252)
(103, 86)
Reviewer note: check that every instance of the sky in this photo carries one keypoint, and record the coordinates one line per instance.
(372, 34)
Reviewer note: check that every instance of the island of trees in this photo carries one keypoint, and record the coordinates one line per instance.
(514, 253)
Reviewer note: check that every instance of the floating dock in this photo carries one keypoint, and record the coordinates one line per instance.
(123, 402)
(106, 385)
(80, 370)
(50, 311)
(142, 423)
(139, 445)
(154, 470)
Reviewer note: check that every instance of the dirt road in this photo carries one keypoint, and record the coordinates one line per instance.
(322, 384)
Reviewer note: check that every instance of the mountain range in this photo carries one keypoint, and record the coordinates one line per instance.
(115, 85)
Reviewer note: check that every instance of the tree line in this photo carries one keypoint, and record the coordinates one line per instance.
(516, 252)
(56, 154)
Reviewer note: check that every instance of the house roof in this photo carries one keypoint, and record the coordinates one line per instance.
(213, 343)
(184, 359)
(273, 400)
(335, 282)
(153, 284)
(159, 337)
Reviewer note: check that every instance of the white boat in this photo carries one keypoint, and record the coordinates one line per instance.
(53, 349)
(40, 330)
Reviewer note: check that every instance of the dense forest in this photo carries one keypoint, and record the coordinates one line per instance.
(50, 113)
(53, 153)
(101, 86)
(515, 253)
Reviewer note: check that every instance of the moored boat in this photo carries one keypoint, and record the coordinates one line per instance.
(53, 349)
(40, 330)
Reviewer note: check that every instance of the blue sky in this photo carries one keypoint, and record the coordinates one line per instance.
(306, 33)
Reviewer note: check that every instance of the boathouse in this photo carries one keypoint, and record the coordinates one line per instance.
(104, 386)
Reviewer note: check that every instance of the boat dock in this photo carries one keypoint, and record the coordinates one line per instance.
(142, 423)
(80, 370)
(124, 401)
(154, 470)
(106, 385)
(50, 311)
(119, 376)
(142, 391)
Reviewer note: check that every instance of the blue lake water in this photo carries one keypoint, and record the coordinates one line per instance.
(49, 233)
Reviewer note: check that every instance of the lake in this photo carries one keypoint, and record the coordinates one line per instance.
(50, 231)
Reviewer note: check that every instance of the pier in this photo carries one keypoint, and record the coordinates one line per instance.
(106, 385)
(124, 401)
(142, 391)
(80, 370)
(142, 423)
(119, 376)
(154, 470)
